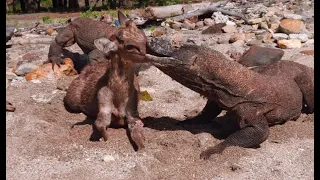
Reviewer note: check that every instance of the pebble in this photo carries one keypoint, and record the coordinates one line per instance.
(108, 158)
(279, 36)
(289, 44)
(199, 24)
(10, 75)
(176, 25)
(25, 68)
(208, 22)
(230, 23)
(229, 29)
(237, 36)
(301, 37)
(292, 16)
(255, 21)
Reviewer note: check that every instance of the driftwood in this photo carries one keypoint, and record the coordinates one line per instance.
(30, 41)
(164, 12)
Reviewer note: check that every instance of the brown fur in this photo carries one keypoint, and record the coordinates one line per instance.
(107, 90)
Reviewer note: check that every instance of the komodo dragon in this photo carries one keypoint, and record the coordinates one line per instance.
(264, 96)
(82, 31)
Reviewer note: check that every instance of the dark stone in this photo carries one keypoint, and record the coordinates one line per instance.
(217, 28)
(257, 56)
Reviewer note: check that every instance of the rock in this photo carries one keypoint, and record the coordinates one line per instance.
(279, 36)
(273, 26)
(158, 33)
(217, 28)
(108, 158)
(219, 17)
(176, 25)
(255, 21)
(188, 25)
(9, 32)
(307, 52)
(258, 55)
(10, 75)
(50, 31)
(309, 42)
(208, 22)
(259, 31)
(25, 68)
(229, 29)
(255, 27)
(230, 23)
(289, 44)
(291, 26)
(264, 25)
(301, 37)
(236, 36)
(199, 24)
(254, 42)
(292, 16)
(30, 57)
(264, 36)
(238, 43)
(42, 71)
(249, 36)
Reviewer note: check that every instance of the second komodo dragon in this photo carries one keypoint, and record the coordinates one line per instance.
(268, 95)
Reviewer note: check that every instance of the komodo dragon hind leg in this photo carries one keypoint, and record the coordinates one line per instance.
(305, 81)
(248, 137)
(209, 112)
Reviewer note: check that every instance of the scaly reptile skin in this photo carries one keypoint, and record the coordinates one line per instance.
(82, 31)
(266, 95)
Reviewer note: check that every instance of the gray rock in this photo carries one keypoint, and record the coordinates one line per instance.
(279, 36)
(301, 37)
(219, 17)
(309, 42)
(292, 16)
(25, 68)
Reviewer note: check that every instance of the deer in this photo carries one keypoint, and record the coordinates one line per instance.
(108, 90)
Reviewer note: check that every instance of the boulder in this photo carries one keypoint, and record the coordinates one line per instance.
(291, 26)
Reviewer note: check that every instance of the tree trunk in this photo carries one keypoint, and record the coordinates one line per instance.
(65, 3)
(23, 6)
(87, 4)
(60, 3)
(55, 4)
(73, 4)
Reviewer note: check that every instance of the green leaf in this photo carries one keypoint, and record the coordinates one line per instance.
(145, 96)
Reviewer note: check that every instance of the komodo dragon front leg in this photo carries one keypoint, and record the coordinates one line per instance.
(64, 39)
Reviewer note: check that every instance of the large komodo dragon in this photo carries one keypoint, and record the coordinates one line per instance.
(82, 31)
(267, 95)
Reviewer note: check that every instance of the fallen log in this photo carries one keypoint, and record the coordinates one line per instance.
(164, 12)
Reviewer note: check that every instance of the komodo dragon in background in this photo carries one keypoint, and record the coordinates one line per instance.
(82, 31)
(267, 95)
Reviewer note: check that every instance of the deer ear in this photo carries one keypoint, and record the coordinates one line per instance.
(122, 18)
(105, 45)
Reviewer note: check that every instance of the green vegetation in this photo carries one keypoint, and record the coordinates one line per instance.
(152, 28)
(145, 96)
(47, 19)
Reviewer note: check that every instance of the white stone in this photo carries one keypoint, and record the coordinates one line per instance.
(108, 158)
(279, 36)
(301, 37)
(219, 17)
(292, 16)
(230, 23)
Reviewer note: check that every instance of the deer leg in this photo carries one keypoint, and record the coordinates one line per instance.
(103, 120)
(209, 112)
(135, 124)
(254, 130)
(65, 38)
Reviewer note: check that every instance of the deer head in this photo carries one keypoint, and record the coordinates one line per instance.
(129, 42)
